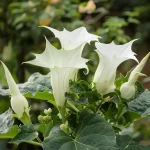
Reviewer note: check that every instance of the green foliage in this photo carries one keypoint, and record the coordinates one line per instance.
(93, 132)
(26, 134)
(14, 130)
(111, 21)
(94, 128)
(6, 121)
(141, 104)
(36, 83)
(125, 142)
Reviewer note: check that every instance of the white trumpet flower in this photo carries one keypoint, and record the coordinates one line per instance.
(128, 89)
(76, 38)
(19, 103)
(63, 66)
(111, 56)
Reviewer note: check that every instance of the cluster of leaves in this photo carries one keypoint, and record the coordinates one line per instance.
(95, 125)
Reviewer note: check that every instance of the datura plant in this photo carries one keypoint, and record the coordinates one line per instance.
(81, 115)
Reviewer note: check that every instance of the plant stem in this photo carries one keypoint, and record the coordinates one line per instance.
(39, 140)
(98, 107)
(34, 143)
(62, 111)
(72, 106)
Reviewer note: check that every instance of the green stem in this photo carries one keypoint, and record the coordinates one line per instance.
(62, 111)
(39, 140)
(34, 143)
(48, 129)
(72, 106)
(98, 107)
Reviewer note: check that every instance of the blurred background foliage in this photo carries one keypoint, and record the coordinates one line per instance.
(116, 20)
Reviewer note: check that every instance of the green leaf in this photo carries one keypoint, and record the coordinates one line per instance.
(141, 104)
(140, 88)
(6, 121)
(130, 117)
(109, 109)
(26, 134)
(79, 87)
(45, 128)
(134, 146)
(125, 143)
(73, 98)
(36, 83)
(38, 86)
(93, 133)
(11, 133)
(122, 79)
(42, 96)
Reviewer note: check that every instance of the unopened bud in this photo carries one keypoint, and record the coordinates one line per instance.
(64, 127)
(59, 115)
(47, 111)
(47, 119)
(40, 118)
(127, 90)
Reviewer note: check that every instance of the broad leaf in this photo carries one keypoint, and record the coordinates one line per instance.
(38, 86)
(26, 134)
(45, 128)
(125, 143)
(36, 83)
(42, 96)
(134, 146)
(6, 121)
(141, 104)
(79, 87)
(11, 133)
(140, 88)
(93, 133)
(130, 117)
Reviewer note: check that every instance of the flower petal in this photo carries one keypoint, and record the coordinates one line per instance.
(63, 66)
(14, 90)
(48, 59)
(111, 56)
(53, 57)
(137, 70)
(118, 52)
(60, 83)
(71, 40)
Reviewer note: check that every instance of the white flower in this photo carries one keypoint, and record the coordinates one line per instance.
(71, 40)
(19, 103)
(128, 89)
(111, 56)
(63, 66)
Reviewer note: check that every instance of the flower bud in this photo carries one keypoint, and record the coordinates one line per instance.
(40, 118)
(47, 111)
(64, 127)
(19, 103)
(47, 119)
(127, 90)
(59, 115)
